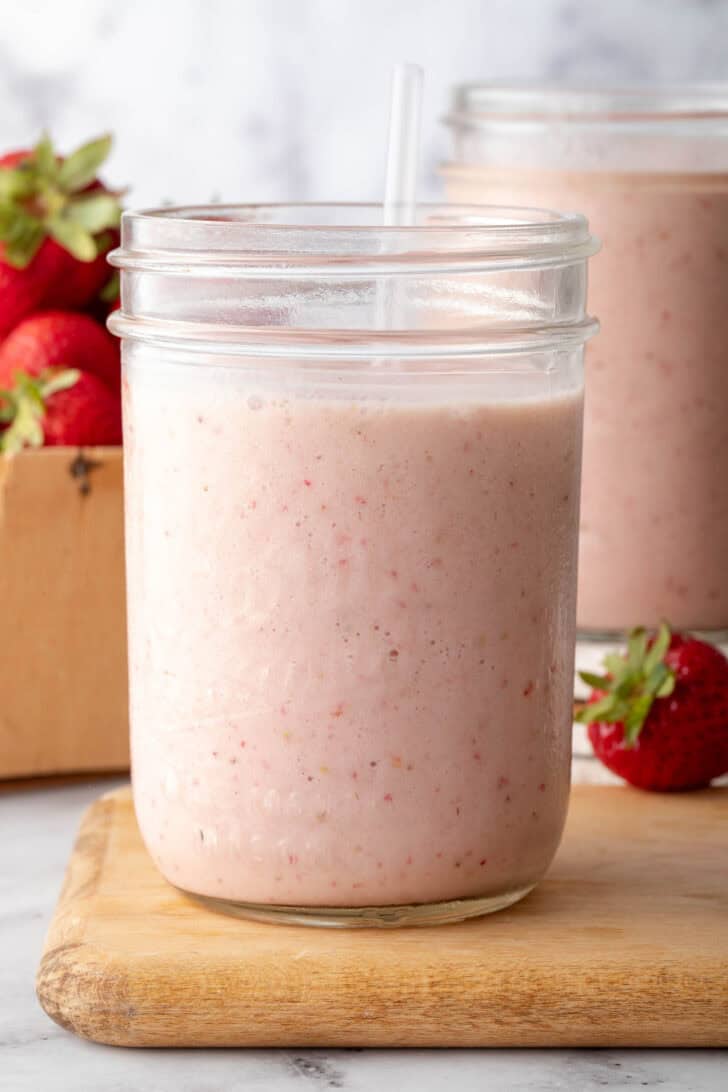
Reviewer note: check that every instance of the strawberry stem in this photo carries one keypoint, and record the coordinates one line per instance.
(23, 407)
(632, 683)
(45, 195)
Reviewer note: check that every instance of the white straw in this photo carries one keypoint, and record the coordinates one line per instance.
(403, 152)
(400, 189)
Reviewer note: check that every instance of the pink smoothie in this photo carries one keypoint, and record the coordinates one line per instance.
(654, 511)
(351, 637)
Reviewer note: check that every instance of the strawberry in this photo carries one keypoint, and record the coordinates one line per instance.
(86, 282)
(53, 339)
(56, 206)
(60, 407)
(23, 290)
(659, 717)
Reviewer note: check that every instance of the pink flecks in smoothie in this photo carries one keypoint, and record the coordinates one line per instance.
(503, 782)
(425, 718)
(483, 862)
(307, 482)
(542, 787)
(528, 689)
(360, 500)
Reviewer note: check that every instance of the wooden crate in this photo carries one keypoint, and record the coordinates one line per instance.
(63, 675)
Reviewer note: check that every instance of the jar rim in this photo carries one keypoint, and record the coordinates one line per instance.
(253, 240)
(589, 104)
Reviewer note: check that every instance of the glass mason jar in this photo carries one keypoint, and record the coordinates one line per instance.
(649, 168)
(352, 459)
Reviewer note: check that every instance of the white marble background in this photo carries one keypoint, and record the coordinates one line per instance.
(288, 99)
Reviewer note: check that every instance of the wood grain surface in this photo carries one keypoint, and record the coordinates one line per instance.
(63, 675)
(625, 943)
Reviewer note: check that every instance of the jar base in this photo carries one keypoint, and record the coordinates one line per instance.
(365, 917)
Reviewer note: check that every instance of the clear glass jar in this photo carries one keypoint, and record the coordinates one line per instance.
(352, 463)
(650, 170)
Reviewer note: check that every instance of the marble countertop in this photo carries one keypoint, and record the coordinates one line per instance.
(38, 824)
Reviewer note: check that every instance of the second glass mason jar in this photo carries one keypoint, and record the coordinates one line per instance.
(352, 459)
(649, 167)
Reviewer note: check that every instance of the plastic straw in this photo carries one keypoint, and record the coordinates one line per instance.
(404, 146)
(401, 179)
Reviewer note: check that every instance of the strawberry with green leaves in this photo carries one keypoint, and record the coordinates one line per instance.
(65, 407)
(659, 716)
(57, 222)
(61, 339)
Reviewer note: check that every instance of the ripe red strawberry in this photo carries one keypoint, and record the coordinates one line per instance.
(659, 718)
(58, 408)
(84, 283)
(55, 205)
(24, 290)
(55, 339)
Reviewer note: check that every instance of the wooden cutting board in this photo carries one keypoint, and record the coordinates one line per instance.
(624, 944)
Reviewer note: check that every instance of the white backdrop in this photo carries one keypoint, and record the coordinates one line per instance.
(287, 99)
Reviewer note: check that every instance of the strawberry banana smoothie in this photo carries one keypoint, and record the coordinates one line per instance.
(653, 541)
(362, 696)
(654, 510)
(351, 553)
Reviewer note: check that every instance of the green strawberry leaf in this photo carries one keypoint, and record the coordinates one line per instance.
(635, 681)
(614, 663)
(598, 710)
(656, 678)
(636, 647)
(110, 292)
(597, 682)
(21, 236)
(81, 167)
(44, 157)
(24, 407)
(55, 381)
(667, 687)
(73, 237)
(95, 213)
(659, 648)
(15, 183)
(635, 718)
